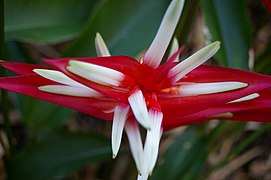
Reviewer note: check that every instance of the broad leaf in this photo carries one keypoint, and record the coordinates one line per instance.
(126, 26)
(40, 115)
(180, 156)
(45, 20)
(227, 22)
(59, 154)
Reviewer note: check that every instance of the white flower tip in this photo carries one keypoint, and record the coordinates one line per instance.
(38, 71)
(135, 143)
(193, 61)
(76, 63)
(96, 73)
(214, 47)
(142, 176)
(152, 141)
(57, 76)
(156, 51)
(70, 90)
(209, 88)
(246, 98)
(119, 119)
(241, 85)
(174, 48)
(101, 48)
(139, 108)
(46, 73)
(114, 156)
(207, 52)
(216, 44)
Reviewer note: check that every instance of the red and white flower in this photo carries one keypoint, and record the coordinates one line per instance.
(129, 92)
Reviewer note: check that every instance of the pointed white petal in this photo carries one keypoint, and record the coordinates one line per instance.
(96, 73)
(120, 116)
(246, 98)
(193, 61)
(209, 88)
(151, 147)
(139, 108)
(97, 69)
(156, 51)
(57, 76)
(143, 176)
(101, 48)
(93, 77)
(174, 48)
(70, 90)
(136, 146)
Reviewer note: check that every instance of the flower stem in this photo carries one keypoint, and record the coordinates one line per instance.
(4, 98)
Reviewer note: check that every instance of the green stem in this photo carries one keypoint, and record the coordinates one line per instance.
(4, 95)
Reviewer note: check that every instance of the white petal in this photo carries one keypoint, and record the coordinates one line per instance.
(209, 88)
(97, 69)
(246, 98)
(135, 142)
(120, 116)
(96, 73)
(143, 176)
(151, 147)
(193, 61)
(139, 108)
(156, 51)
(174, 48)
(101, 48)
(93, 77)
(57, 76)
(70, 90)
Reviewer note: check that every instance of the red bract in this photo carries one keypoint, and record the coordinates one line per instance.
(255, 107)
(267, 4)
(158, 97)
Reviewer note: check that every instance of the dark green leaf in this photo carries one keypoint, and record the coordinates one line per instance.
(126, 26)
(228, 22)
(45, 20)
(60, 153)
(263, 62)
(40, 116)
(180, 156)
(16, 52)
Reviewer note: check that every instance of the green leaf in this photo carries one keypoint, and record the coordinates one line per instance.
(41, 116)
(180, 156)
(263, 63)
(126, 26)
(61, 153)
(45, 21)
(227, 22)
(15, 51)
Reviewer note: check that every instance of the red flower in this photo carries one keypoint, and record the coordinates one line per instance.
(158, 97)
(267, 3)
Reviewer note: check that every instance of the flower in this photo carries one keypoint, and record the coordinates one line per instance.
(130, 93)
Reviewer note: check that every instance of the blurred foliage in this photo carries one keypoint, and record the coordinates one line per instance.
(228, 22)
(120, 22)
(59, 154)
(46, 21)
(35, 29)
